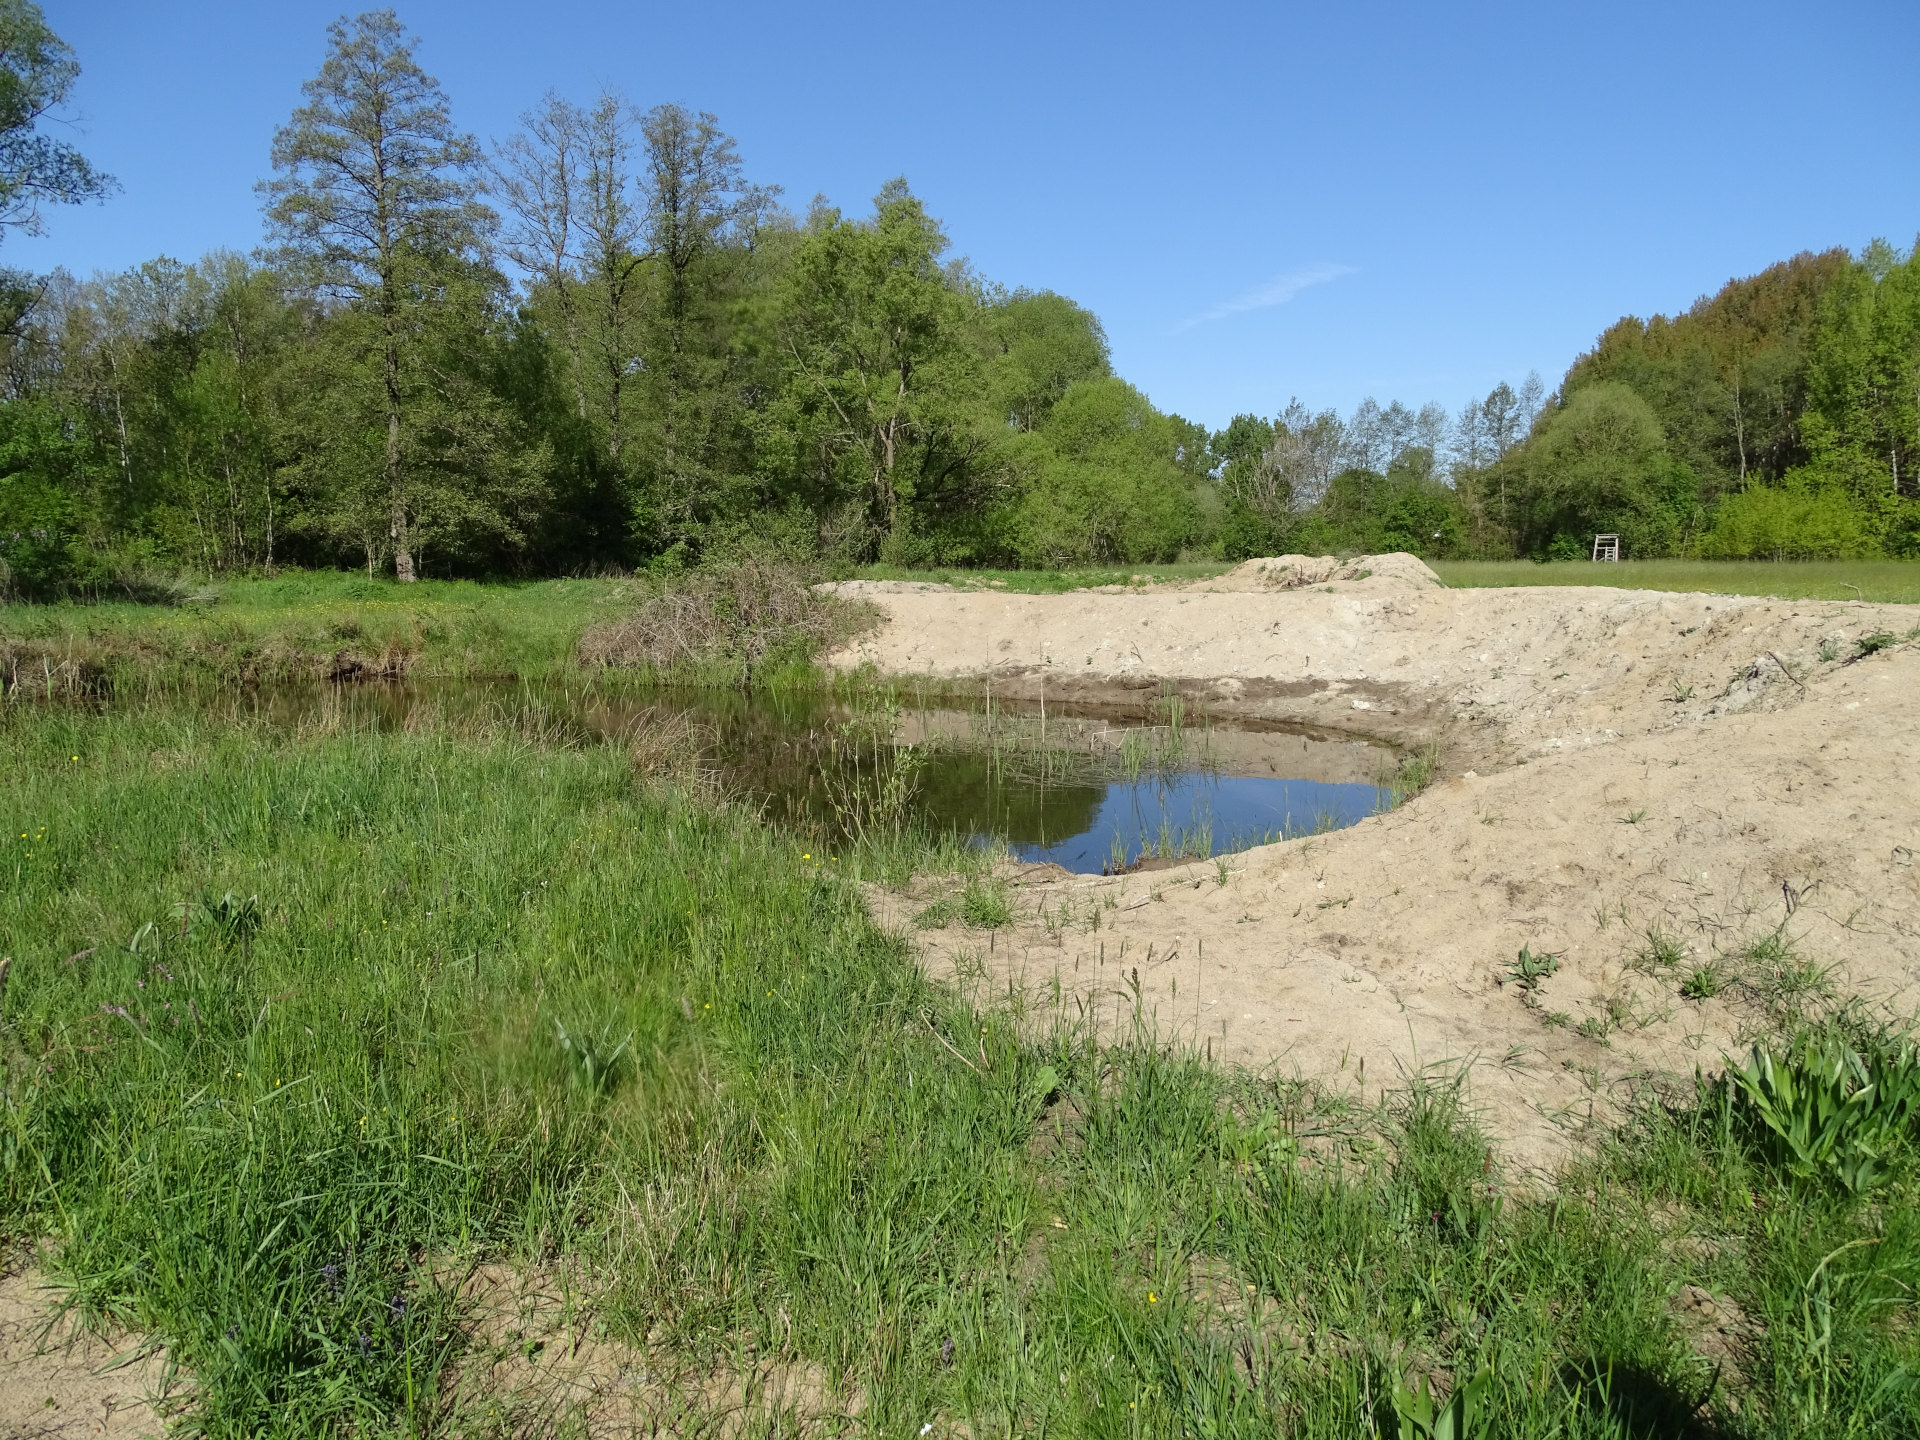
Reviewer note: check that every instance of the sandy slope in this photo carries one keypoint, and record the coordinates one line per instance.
(1781, 795)
(1498, 675)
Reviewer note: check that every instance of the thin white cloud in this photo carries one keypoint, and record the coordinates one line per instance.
(1277, 291)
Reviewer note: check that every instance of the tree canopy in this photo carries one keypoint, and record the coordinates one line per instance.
(602, 343)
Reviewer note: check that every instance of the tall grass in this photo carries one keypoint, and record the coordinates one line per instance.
(302, 626)
(500, 998)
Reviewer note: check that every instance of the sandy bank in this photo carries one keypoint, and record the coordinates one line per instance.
(1663, 783)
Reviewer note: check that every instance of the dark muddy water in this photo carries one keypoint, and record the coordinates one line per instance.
(1087, 792)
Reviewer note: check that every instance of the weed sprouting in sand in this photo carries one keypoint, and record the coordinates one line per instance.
(1409, 776)
(1663, 952)
(1873, 644)
(1703, 983)
(1527, 970)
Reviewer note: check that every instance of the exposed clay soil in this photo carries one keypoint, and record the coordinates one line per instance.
(1653, 770)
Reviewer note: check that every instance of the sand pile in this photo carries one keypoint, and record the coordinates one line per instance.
(1494, 676)
(1705, 809)
(1292, 572)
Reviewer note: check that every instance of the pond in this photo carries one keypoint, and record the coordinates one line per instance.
(1092, 793)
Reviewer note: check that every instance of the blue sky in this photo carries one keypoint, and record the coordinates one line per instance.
(1259, 201)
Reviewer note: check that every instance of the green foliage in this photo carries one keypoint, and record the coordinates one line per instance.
(1703, 983)
(1727, 379)
(42, 472)
(678, 361)
(1466, 1414)
(37, 71)
(1828, 1113)
(1600, 464)
(1528, 969)
(1102, 481)
(1045, 344)
(231, 919)
(1788, 522)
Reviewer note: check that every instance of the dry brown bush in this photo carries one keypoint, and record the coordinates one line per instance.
(740, 614)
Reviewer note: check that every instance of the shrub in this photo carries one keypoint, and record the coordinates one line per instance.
(740, 614)
(1768, 522)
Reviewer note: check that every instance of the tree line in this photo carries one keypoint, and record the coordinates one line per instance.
(598, 343)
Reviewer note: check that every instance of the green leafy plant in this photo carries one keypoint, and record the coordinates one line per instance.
(1414, 1414)
(1529, 969)
(594, 1060)
(1826, 1112)
(231, 919)
(1703, 984)
(1873, 644)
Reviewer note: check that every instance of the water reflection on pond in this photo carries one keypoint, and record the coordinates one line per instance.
(1087, 792)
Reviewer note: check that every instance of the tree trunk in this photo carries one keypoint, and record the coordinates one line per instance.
(1740, 432)
(402, 553)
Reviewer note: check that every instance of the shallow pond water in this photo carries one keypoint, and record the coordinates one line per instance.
(1089, 792)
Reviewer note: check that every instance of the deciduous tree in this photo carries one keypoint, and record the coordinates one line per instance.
(375, 192)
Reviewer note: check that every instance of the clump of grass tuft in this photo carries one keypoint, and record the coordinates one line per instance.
(983, 905)
(1703, 983)
(1663, 952)
(1413, 774)
(1788, 987)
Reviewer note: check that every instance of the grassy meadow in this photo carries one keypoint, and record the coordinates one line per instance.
(312, 624)
(1889, 581)
(304, 1025)
(301, 1027)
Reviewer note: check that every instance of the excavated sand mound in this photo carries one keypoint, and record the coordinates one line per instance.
(1397, 571)
(1705, 808)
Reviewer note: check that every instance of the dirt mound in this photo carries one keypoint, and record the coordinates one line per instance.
(1495, 677)
(1396, 571)
(1694, 814)
(1673, 893)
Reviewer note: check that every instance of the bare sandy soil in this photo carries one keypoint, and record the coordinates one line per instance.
(1643, 786)
(58, 1382)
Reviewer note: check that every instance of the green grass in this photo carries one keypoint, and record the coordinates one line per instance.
(1894, 581)
(269, 1133)
(304, 624)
